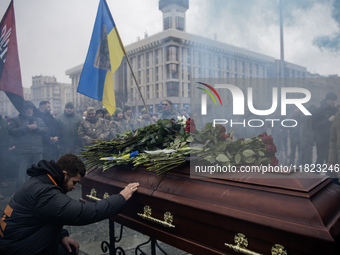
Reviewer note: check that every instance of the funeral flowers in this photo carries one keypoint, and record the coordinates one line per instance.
(169, 144)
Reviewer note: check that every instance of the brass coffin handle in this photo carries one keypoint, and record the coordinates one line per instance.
(93, 195)
(168, 218)
(241, 243)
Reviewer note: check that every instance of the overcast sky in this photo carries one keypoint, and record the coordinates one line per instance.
(54, 35)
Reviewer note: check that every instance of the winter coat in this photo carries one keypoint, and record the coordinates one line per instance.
(321, 123)
(92, 129)
(34, 217)
(172, 114)
(4, 138)
(27, 140)
(69, 124)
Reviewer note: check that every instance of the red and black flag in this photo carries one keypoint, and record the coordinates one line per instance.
(10, 75)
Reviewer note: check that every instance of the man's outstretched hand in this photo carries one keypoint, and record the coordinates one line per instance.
(129, 190)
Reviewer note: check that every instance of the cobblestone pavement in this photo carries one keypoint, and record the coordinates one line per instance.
(90, 237)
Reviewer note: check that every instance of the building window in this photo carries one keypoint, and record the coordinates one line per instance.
(199, 58)
(148, 58)
(157, 91)
(180, 23)
(139, 61)
(156, 57)
(188, 89)
(189, 55)
(131, 94)
(139, 77)
(183, 78)
(210, 60)
(172, 54)
(172, 71)
(167, 23)
(172, 89)
(148, 92)
(235, 65)
(210, 73)
(157, 73)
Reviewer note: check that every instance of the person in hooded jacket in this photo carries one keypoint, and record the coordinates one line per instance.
(28, 132)
(32, 223)
(69, 122)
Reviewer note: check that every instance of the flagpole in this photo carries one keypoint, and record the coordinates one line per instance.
(133, 74)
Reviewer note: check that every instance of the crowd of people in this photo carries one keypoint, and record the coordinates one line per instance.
(37, 134)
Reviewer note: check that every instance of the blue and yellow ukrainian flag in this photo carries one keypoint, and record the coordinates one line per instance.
(103, 58)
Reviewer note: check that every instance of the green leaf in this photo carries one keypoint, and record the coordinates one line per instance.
(190, 139)
(222, 158)
(221, 146)
(249, 160)
(261, 153)
(238, 158)
(248, 140)
(248, 153)
(212, 160)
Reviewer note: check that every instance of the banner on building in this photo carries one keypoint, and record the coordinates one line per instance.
(103, 58)
(10, 74)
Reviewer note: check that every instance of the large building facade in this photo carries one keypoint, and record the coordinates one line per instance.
(44, 88)
(164, 64)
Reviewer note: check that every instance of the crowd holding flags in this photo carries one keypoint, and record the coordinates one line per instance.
(103, 58)
(10, 74)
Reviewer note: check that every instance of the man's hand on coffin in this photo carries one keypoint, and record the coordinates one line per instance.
(129, 190)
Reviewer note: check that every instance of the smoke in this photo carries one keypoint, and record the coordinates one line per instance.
(331, 42)
(248, 24)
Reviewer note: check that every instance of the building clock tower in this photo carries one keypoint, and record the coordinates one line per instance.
(174, 13)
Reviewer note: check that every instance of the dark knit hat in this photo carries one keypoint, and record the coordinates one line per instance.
(100, 110)
(118, 110)
(29, 104)
(127, 107)
(69, 105)
(167, 100)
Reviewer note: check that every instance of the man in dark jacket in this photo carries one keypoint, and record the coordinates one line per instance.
(27, 131)
(51, 138)
(33, 220)
(69, 123)
(322, 122)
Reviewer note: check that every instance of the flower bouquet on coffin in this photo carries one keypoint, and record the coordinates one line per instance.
(169, 144)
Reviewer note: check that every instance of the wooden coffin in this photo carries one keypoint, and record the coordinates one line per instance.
(240, 215)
